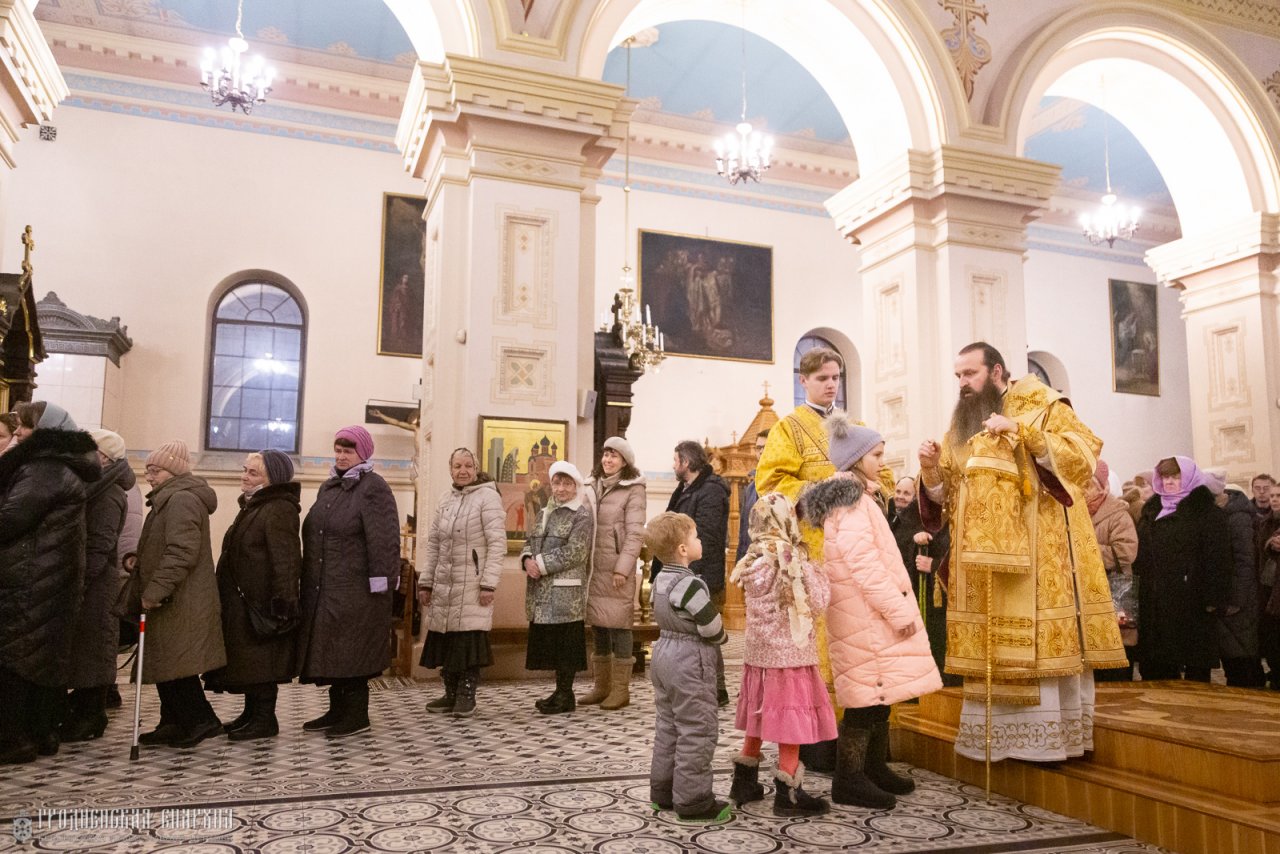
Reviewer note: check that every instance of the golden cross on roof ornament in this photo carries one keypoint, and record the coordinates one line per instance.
(766, 388)
(29, 245)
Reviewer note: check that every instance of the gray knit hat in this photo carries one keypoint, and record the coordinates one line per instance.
(848, 441)
(623, 447)
(278, 465)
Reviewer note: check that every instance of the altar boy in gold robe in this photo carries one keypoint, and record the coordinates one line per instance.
(1010, 476)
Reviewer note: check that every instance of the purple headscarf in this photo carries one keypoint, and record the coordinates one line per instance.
(1191, 478)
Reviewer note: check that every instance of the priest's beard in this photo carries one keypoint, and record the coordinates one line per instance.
(971, 410)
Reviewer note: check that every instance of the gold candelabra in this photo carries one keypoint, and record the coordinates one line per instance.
(640, 337)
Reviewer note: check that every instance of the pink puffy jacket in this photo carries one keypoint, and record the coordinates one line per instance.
(871, 600)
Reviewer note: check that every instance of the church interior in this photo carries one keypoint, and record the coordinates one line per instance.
(524, 226)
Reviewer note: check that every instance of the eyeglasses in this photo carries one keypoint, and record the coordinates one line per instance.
(153, 470)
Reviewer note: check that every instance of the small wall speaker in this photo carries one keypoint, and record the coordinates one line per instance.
(587, 404)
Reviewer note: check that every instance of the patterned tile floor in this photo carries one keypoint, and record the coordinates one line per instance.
(507, 779)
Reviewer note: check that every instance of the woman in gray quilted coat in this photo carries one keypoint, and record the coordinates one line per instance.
(557, 561)
(465, 546)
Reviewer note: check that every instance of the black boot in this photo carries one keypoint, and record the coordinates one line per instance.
(790, 798)
(113, 697)
(819, 758)
(850, 785)
(354, 712)
(88, 717)
(262, 723)
(330, 717)
(746, 781)
(540, 705)
(878, 769)
(18, 752)
(445, 703)
(716, 812)
(562, 700)
(466, 704)
(243, 719)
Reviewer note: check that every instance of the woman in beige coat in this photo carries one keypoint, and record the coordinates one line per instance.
(616, 494)
(465, 547)
(1118, 540)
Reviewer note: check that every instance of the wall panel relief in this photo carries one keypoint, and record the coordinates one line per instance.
(1228, 382)
(987, 304)
(891, 410)
(891, 352)
(526, 287)
(969, 50)
(1232, 441)
(522, 372)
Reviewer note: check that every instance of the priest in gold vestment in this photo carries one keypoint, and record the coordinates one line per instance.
(795, 455)
(1010, 477)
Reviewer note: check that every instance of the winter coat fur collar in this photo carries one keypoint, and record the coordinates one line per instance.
(819, 500)
(75, 448)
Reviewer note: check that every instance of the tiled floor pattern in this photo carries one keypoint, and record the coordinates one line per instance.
(507, 779)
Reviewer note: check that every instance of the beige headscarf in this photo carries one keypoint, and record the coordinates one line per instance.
(775, 536)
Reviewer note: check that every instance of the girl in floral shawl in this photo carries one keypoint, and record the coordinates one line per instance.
(783, 698)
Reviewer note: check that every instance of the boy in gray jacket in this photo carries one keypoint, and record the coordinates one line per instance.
(683, 673)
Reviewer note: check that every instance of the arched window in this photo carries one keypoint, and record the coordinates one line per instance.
(255, 379)
(804, 345)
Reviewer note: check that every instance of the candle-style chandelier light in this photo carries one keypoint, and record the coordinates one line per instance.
(639, 336)
(1111, 222)
(745, 153)
(231, 80)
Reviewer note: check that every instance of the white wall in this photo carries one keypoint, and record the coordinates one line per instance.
(1068, 311)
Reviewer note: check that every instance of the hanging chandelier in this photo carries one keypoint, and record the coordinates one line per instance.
(229, 80)
(638, 335)
(744, 154)
(1111, 222)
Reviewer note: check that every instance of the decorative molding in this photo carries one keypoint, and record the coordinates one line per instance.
(969, 50)
(1272, 85)
(891, 351)
(66, 330)
(1232, 441)
(523, 372)
(891, 409)
(1259, 16)
(35, 83)
(987, 298)
(526, 284)
(1228, 373)
(1255, 234)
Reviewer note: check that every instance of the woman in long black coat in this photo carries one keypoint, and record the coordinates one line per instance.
(350, 560)
(1184, 572)
(97, 628)
(259, 568)
(42, 539)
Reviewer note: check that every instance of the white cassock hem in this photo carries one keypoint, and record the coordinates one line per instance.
(1059, 727)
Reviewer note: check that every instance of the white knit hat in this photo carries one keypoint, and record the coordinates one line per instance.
(566, 468)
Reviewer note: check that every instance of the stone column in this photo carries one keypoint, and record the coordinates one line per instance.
(943, 238)
(1229, 280)
(510, 159)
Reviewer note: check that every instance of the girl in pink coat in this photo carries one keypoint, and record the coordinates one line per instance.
(783, 698)
(879, 650)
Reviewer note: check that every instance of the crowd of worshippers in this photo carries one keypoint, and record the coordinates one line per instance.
(846, 575)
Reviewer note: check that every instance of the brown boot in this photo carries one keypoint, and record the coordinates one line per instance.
(620, 694)
(603, 673)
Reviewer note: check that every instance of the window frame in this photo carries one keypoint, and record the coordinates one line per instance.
(221, 295)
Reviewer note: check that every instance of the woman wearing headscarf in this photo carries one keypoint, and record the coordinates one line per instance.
(1118, 541)
(97, 629)
(557, 561)
(350, 556)
(465, 547)
(43, 484)
(258, 586)
(175, 585)
(1184, 573)
(616, 494)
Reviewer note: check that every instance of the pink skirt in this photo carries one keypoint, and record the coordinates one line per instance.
(786, 705)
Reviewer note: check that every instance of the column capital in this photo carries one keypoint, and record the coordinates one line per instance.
(995, 194)
(30, 83)
(512, 123)
(1251, 237)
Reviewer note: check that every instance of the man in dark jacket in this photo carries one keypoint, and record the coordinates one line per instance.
(703, 496)
(922, 553)
(1237, 622)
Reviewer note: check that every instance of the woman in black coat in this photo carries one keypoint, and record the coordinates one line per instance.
(1184, 572)
(42, 553)
(258, 572)
(350, 560)
(97, 628)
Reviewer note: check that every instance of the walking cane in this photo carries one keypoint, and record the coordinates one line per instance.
(922, 550)
(137, 686)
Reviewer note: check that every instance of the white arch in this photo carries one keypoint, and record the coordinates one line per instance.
(436, 27)
(1185, 97)
(881, 71)
(1054, 367)
(852, 364)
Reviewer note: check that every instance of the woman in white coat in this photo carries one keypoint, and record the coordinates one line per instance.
(465, 547)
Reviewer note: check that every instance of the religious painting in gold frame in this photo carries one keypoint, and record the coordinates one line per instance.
(518, 454)
(1135, 337)
(402, 276)
(712, 299)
